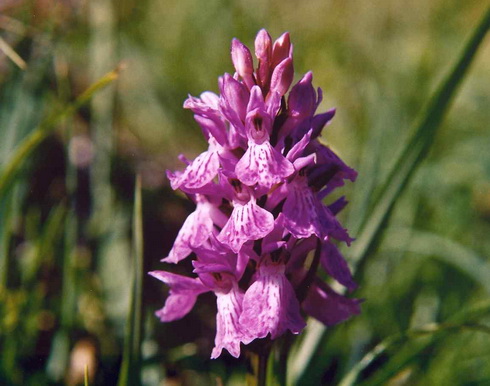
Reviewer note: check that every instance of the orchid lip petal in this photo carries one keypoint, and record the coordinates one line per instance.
(270, 306)
(199, 173)
(263, 165)
(228, 329)
(247, 222)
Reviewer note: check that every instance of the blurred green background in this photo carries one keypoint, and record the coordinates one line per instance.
(66, 216)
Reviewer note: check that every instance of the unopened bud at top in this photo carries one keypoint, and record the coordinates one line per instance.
(236, 95)
(282, 77)
(242, 60)
(281, 49)
(263, 46)
(263, 52)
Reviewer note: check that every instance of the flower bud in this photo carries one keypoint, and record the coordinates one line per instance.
(281, 49)
(243, 62)
(263, 52)
(236, 95)
(282, 76)
(302, 98)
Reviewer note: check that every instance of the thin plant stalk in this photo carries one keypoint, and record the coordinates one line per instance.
(130, 368)
(257, 372)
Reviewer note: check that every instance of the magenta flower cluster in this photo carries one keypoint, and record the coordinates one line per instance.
(258, 191)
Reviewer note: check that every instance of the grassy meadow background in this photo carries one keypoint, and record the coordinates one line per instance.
(70, 240)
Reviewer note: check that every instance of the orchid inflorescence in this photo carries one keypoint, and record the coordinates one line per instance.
(258, 191)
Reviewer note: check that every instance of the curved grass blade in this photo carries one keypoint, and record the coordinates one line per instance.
(130, 368)
(11, 54)
(417, 147)
(410, 158)
(27, 146)
(443, 249)
(432, 329)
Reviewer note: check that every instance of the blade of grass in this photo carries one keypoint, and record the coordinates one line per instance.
(9, 209)
(45, 243)
(351, 377)
(102, 54)
(464, 320)
(130, 368)
(417, 147)
(27, 146)
(443, 249)
(12, 55)
(403, 169)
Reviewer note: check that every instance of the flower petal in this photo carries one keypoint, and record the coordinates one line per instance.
(178, 283)
(281, 49)
(263, 52)
(336, 266)
(297, 150)
(228, 330)
(176, 307)
(199, 173)
(194, 232)
(270, 306)
(302, 98)
(243, 62)
(182, 297)
(233, 101)
(327, 306)
(247, 222)
(263, 165)
(282, 77)
(301, 210)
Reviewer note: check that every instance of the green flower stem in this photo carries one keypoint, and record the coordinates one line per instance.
(257, 370)
(282, 361)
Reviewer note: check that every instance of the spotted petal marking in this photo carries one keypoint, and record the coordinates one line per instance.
(270, 306)
(247, 222)
(301, 210)
(262, 164)
(200, 172)
(228, 330)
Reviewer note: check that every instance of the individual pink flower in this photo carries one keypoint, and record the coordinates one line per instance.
(270, 305)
